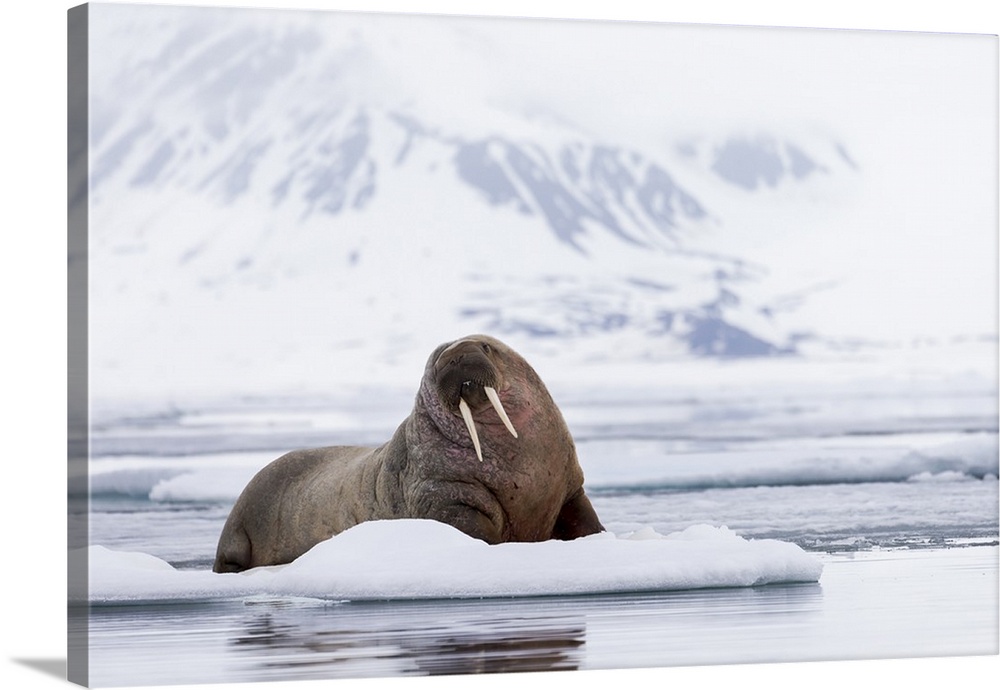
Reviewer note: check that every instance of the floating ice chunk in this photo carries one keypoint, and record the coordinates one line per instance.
(211, 484)
(125, 577)
(415, 559)
(945, 476)
(704, 532)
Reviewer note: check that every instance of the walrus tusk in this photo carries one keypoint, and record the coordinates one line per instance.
(495, 401)
(463, 407)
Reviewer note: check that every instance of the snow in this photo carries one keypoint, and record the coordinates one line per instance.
(418, 559)
(220, 476)
(203, 282)
(204, 485)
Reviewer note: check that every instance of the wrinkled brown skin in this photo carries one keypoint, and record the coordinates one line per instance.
(526, 489)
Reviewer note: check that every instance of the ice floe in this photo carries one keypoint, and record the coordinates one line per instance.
(420, 559)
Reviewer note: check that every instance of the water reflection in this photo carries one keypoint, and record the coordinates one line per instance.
(317, 639)
(271, 638)
(422, 638)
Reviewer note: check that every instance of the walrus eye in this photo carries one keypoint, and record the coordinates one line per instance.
(486, 348)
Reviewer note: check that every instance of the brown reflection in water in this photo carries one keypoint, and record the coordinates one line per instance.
(409, 638)
(282, 638)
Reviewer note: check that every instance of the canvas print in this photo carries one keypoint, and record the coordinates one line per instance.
(406, 345)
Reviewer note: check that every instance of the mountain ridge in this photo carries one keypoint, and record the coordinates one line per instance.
(258, 188)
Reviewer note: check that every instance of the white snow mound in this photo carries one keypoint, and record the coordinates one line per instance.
(421, 559)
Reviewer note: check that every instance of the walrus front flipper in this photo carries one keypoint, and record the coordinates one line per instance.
(233, 554)
(576, 519)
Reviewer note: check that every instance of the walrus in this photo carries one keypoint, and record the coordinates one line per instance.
(485, 449)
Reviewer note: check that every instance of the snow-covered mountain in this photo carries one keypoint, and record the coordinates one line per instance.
(276, 192)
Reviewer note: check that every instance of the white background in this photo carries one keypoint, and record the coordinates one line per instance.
(33, 378)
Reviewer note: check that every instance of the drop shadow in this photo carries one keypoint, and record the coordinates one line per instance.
(55, 667)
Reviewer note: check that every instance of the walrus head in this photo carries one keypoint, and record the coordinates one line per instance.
(468, 374)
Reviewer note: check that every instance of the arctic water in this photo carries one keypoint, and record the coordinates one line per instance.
(892, 489)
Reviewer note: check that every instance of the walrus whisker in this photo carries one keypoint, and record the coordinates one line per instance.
(463, 407)
(491, 393)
